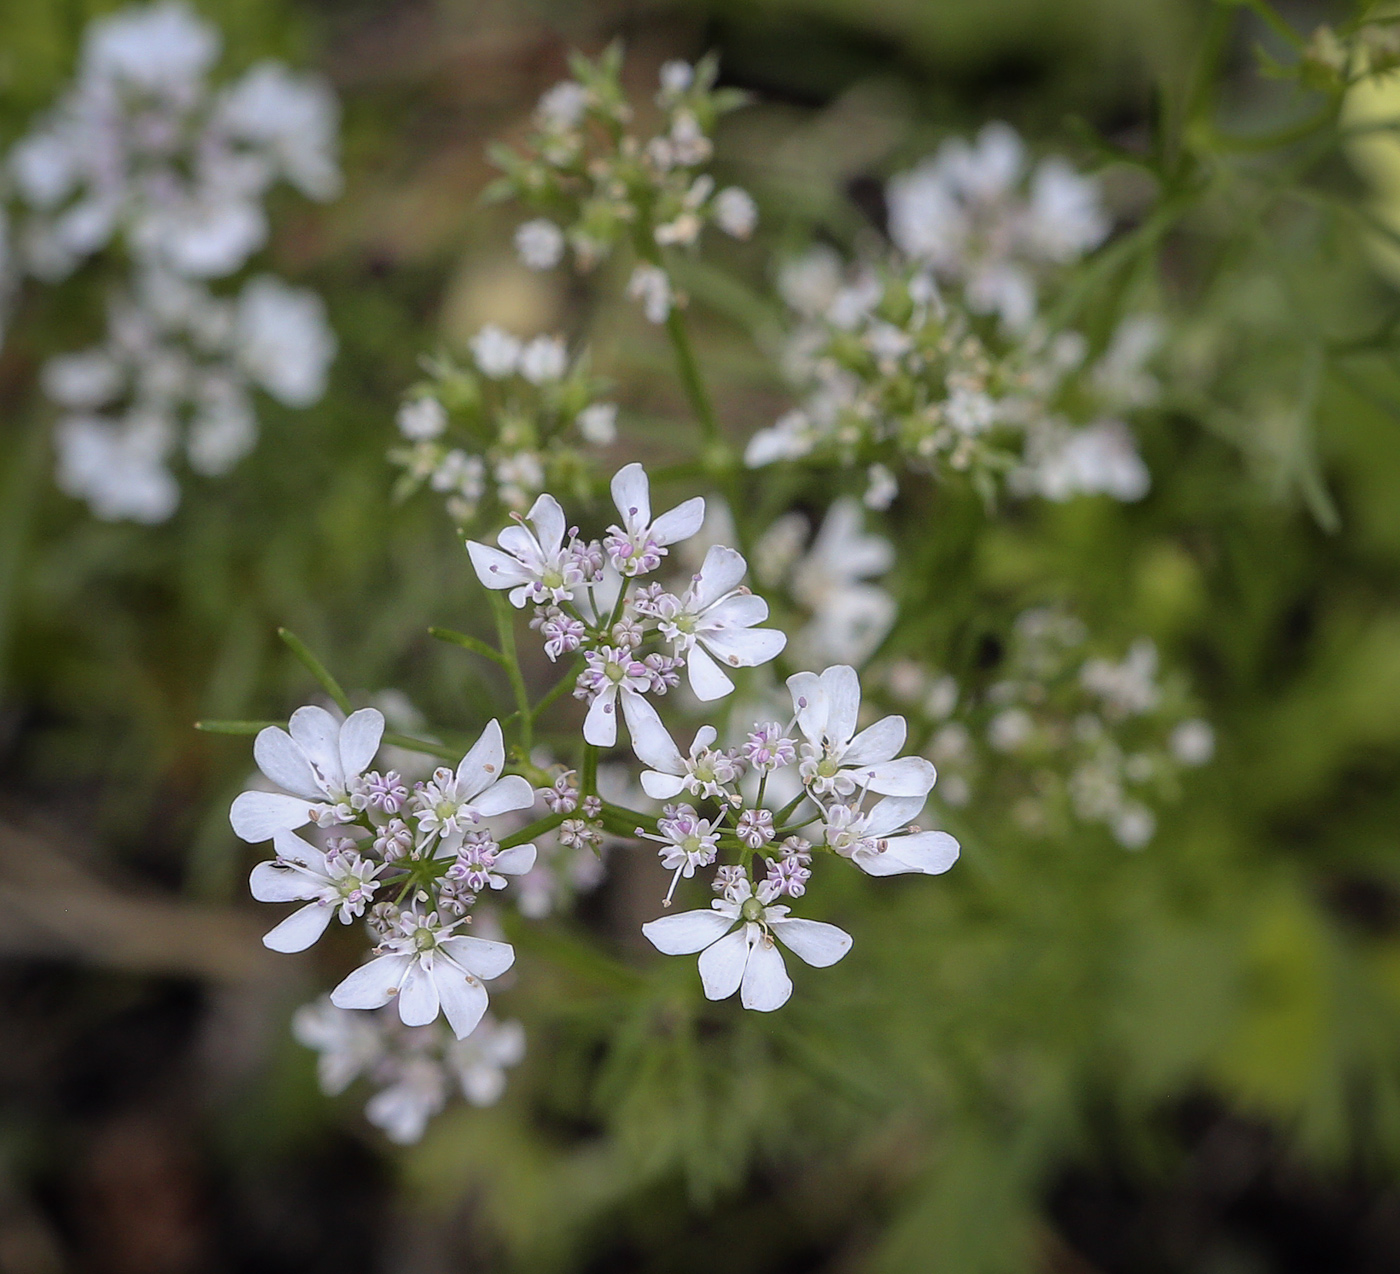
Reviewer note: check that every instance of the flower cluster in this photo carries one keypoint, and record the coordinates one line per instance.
(589, 602)
(495, 431)
(1061, 735)
(895, 371)
(141, 154)
(414, 1069)
(597, 184)
(411, 862)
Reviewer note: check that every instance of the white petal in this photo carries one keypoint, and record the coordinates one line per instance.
(722, 965)
(299, 930)
(295, 850)
(661, 787)
(257, 816)
(814, 941)
(744, 647)
(879, 742)
(809, 703)
(631, 492)
(680, 523)
(723, 570)
(496, 569)
(282, 760)
(548, 518)
(907, 776)
(516, 860)
(271, 882)
(741, 610)
(930, 853)
(511, 793)
(651, 741)
(891, 814)
(318, 733)
(766, 983)
(520, 542)
(359, 739)
(485, 763)
(687, 932)
(843, 702)
(600, 725)
(464, 999)
(418, 996)
(635, 710)
(707, 679)
(481, 956)
(372, 985)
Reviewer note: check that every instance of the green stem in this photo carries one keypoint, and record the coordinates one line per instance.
(468, 642)
(505, 632)
(409, 744)
(316, 668)
(588, 776)
(689, 371)
(528, 833)
(558, 688)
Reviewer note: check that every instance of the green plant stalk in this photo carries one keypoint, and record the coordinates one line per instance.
(316, 668)
(505, 631)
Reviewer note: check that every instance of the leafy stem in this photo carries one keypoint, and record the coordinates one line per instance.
(505, 632)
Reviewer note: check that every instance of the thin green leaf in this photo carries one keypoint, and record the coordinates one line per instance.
(316, 668)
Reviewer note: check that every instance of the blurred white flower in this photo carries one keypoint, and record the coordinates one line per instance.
(539, 244)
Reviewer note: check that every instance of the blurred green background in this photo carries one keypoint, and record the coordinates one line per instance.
(1059, 1057)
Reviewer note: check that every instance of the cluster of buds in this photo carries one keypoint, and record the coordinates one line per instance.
(492, 432)
(896, 371)
(597, 184)
(1061, 736)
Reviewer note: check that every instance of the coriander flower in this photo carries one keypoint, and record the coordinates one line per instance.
(539, 244)
(704, 773)
(536, 566)
(747, 960)
(873, 839)
(452, 802)
(544, 359)
(496, 351)
(338, 880)
(735, 212)
(429, 968)
(836, 760)
(614, 677)
(716, 617)
(480, 1060)
(598, 424)
(651, 285)
(687, 841)
(422, 419)
(638, 545)
(317, 758)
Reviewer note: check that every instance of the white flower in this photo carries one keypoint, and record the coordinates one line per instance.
(539, 244)
(291, 118)
(747, 960)
(1098, 459)
(544, 359)
(715, 619)
(881, 488)
(613, 677)
(328, 883)
(401, 1110)
(1066, 218)
(705, 772)
(598, 424)
(454, 802)
(119, 469)
(480, 1060)
(284, 341)
(1192, 742)
(536, 566)
(317, 758)
(873, 839)
(687, 841)
(563, 105)
(349, 1044)
(422, 419)
(161, 49)
(735, 212)
(1134, 825)
(82, 381)
(651, 285)
(429, 968)
(497, 352)
(639, 544)
(676, 77)
(791, 437)
(1128, 688)
(223, 428)
(835, 759)
(849, 617)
